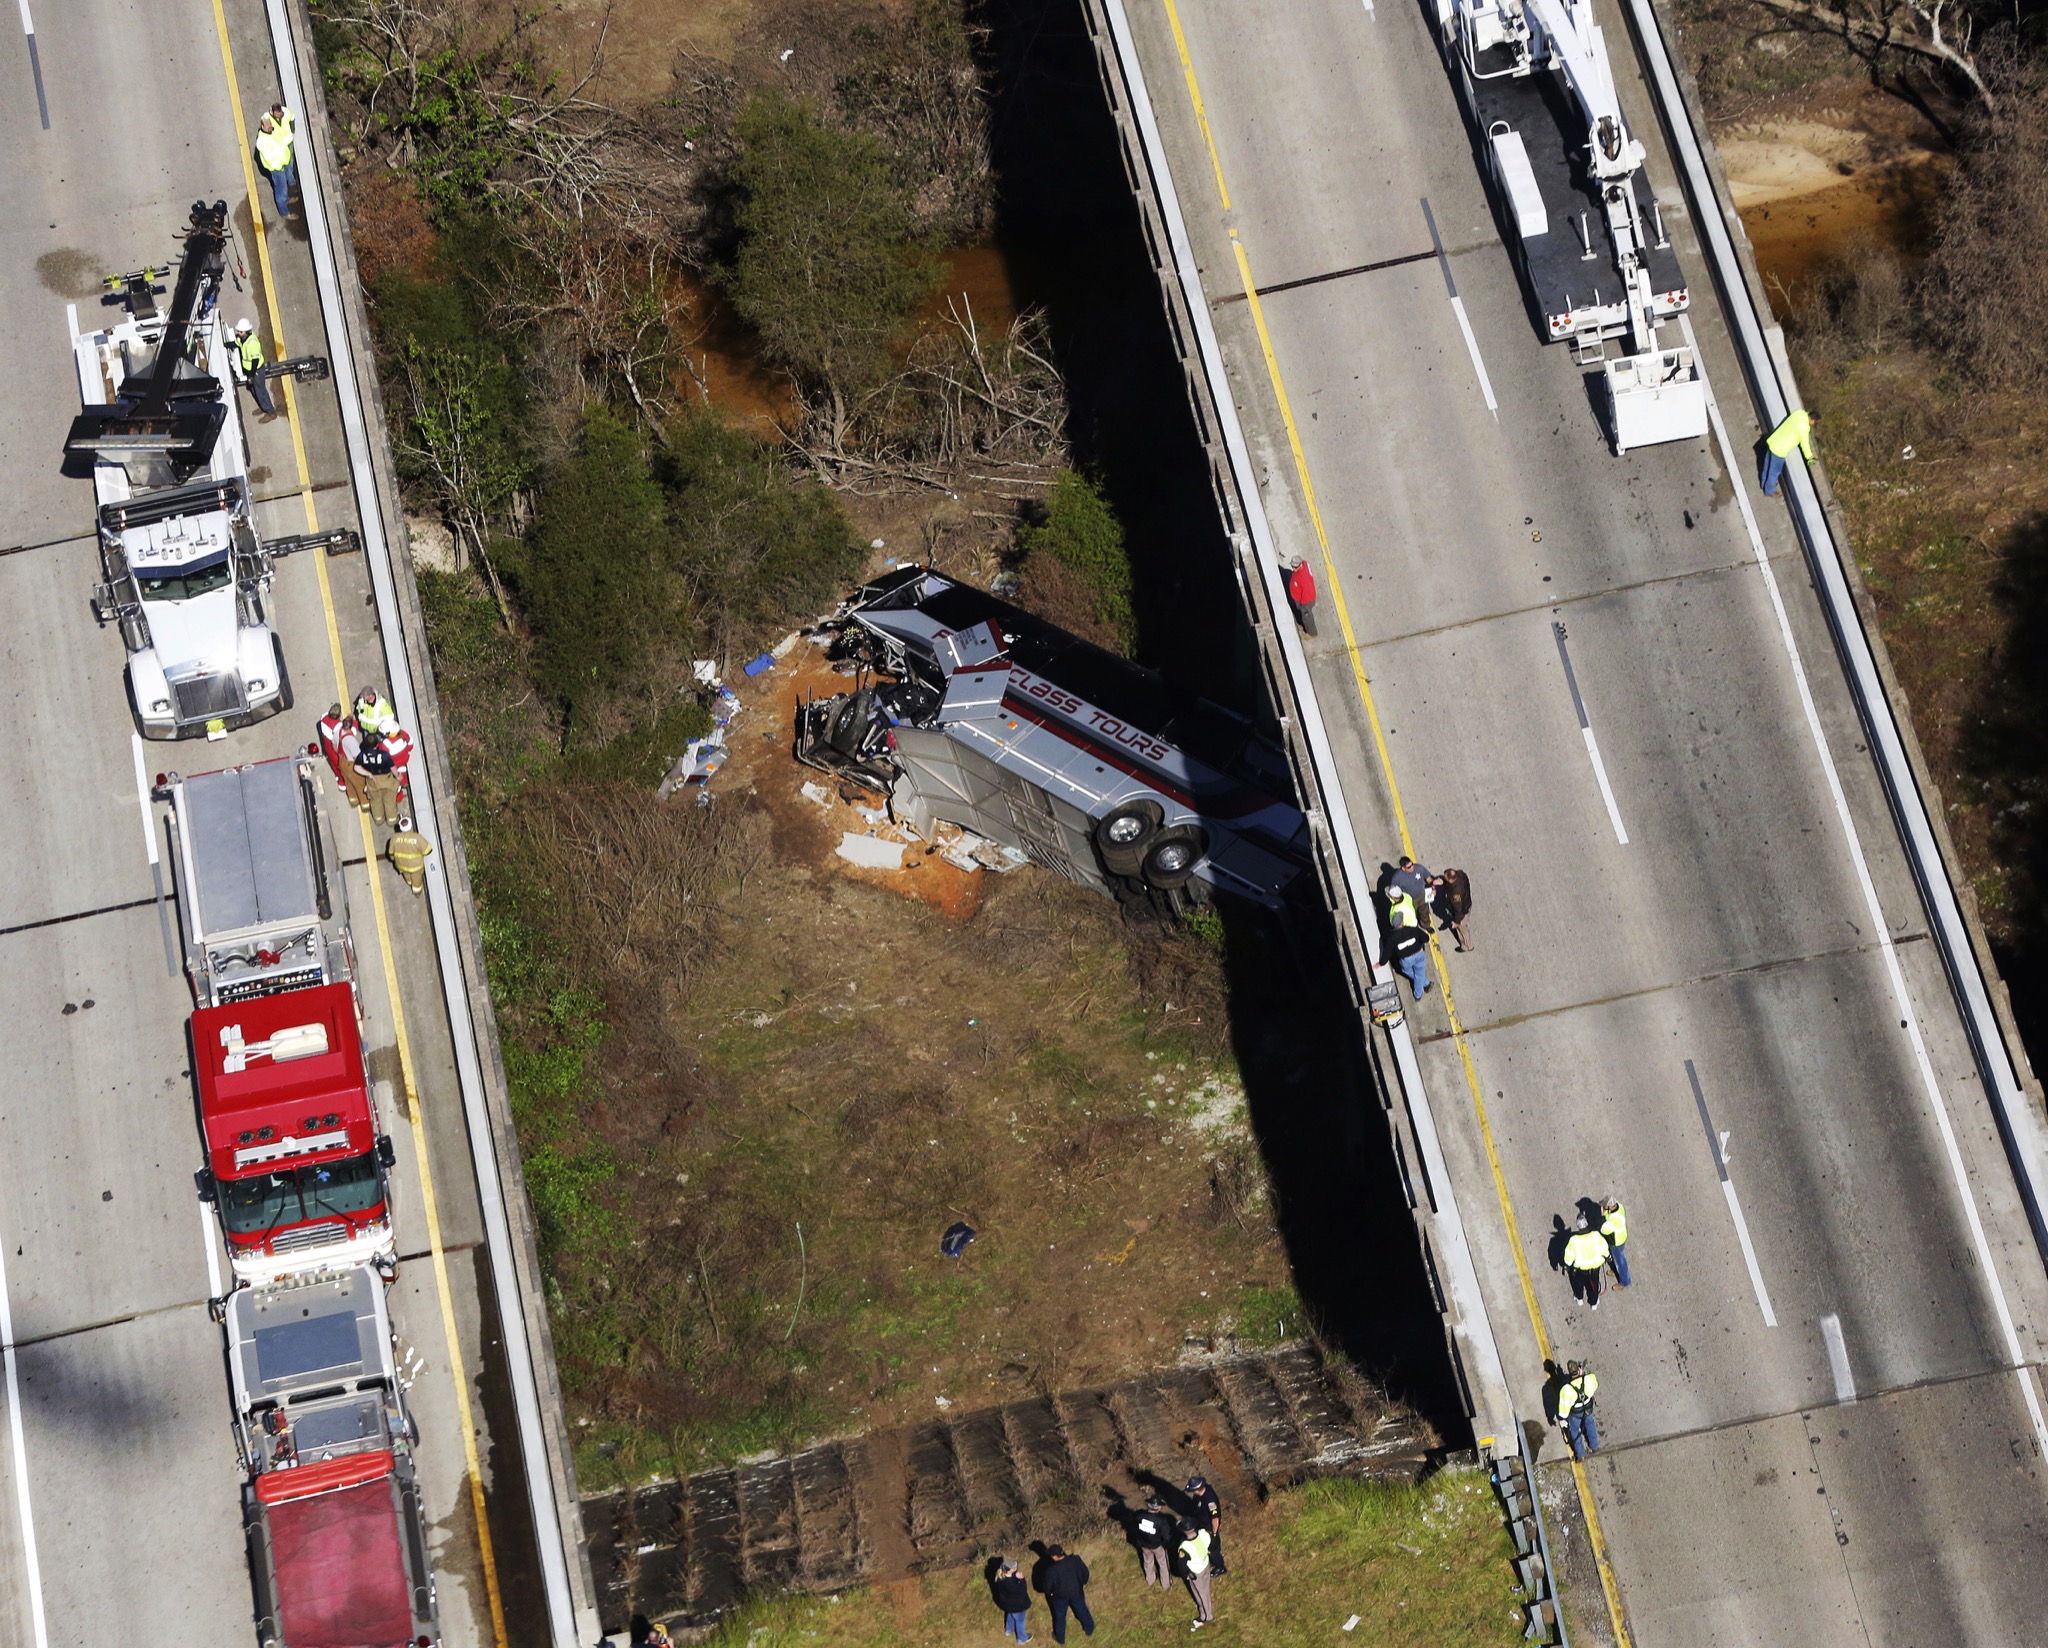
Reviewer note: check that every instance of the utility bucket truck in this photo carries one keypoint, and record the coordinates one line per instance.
(183, 573)
(261, 901)
(331, 1507)
(983, 716)
(295, 1157)
(1581, 221)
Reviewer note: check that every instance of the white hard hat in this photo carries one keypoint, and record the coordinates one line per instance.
(245, 324)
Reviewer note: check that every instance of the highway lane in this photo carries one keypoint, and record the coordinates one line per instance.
(1731, 930)
(123, 1391)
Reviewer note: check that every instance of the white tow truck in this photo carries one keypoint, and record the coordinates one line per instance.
(184, 575)
(1537, 83)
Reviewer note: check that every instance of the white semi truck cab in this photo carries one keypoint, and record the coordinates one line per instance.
(184, 575)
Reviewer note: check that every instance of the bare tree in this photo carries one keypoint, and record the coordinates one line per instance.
(450, 437)
(1942, 31)
(623, 298)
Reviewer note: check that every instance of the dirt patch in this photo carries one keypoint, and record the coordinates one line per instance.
(812, 812)
(1825, 176)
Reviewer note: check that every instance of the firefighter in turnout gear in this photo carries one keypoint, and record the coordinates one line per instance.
(408, 851)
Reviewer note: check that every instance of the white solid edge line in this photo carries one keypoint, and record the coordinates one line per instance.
(1756, 1275)
(1739, 478)
(211, 1242)
(1606, 789)
(550, 1536)
(142, 800)
(1838, 1359)
(1472, 348)
(29, 1558)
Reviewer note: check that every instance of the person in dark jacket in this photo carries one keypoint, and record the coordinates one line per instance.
(1065, 1585)
(1152, 1531)
(1209, 1515)
(1454, 903)
(1013, 1596)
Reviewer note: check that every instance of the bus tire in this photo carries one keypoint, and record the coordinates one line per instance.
(1123, 834)
(1172, 857)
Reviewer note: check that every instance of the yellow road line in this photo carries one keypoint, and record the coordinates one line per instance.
(458, 1368)
(1187, 67)
(1609, 1583)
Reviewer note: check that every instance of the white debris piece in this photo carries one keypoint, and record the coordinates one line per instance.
(870, 852)
(706, 672)
(817, 793)
(787, 645)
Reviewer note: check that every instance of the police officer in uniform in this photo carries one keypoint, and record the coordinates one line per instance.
(1209, 1515)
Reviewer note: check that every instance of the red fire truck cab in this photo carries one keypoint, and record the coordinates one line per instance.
(295, 1158)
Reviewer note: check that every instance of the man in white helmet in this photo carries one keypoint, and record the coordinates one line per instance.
(248, 360)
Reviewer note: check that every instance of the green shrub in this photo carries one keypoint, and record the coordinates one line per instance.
(595, 585)
(824, 269)
(761, 547)
(1270, 1316)
(1081, 532)
(644, 755)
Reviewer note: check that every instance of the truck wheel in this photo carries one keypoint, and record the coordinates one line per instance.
(284, 676)
(1123, 834)
(1173, 855)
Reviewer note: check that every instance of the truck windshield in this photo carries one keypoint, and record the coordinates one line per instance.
(299, 1195)
(186, 583)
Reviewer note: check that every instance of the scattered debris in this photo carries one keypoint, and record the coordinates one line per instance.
(958, 1234)
(695, 765)
(871, 852)
(816, 793)
(704, 756)
(761, 665)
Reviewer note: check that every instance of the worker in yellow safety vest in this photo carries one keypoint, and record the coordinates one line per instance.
(275, 140)
(248, 364)
(1795, 434)
(1575, 1409)
(1585, 1256)
(1614, 1226)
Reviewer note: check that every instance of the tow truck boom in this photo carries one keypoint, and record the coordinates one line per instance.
(1655, 394)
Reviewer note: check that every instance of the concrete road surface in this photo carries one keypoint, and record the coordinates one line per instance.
(1679, 993)
(119, 1457)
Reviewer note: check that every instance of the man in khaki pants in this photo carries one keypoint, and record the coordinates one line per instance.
(408, 851)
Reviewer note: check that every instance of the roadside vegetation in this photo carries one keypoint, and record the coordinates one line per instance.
(750, 1093)
(1921, 339)
(1410, 1565)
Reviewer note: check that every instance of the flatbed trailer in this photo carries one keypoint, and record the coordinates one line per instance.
(1570, 270)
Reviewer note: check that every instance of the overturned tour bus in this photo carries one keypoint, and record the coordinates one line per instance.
(977, 714)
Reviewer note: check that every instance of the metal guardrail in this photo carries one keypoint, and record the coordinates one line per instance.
(548, 1473)
(1446, 1253)
(1514, 1479)
(2019, 1129)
